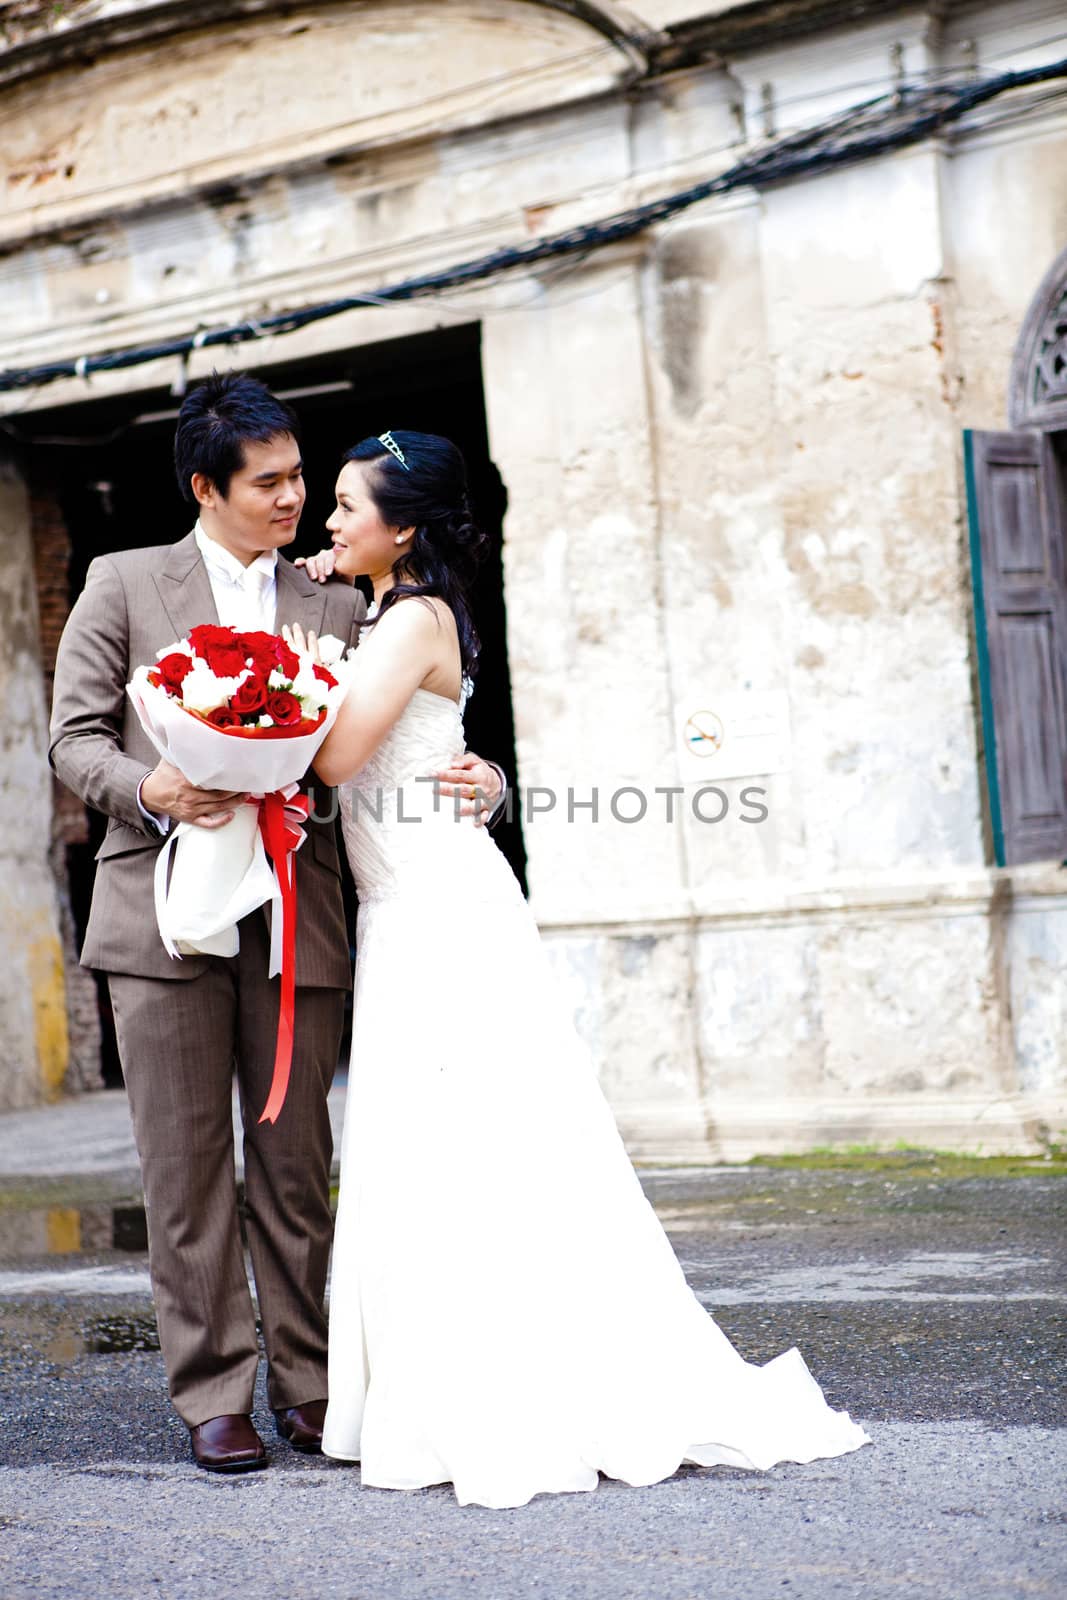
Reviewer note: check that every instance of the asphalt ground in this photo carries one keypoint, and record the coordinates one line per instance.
(932, 1306)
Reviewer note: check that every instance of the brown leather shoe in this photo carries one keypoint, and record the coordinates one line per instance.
(228, 1444)
(302, 1426)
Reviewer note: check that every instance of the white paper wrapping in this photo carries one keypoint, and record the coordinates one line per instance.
(219, 875)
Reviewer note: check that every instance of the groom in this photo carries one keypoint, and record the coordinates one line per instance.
(185, 1028)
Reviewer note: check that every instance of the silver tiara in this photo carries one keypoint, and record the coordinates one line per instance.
(393, 448)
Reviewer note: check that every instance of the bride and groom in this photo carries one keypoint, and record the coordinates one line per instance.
(506, 1313)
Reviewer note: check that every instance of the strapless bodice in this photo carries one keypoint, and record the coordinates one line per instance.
(428, 732)
(399, 833)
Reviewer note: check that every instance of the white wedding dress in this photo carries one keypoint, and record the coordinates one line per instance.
(506, 1313)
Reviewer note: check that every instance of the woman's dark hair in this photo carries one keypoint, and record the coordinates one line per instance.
(217, 419)
(428, 492)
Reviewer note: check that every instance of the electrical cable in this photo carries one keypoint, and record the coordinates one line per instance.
(876, 127)
(929, 75)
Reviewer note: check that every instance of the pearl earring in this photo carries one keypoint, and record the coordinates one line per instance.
(400, 538)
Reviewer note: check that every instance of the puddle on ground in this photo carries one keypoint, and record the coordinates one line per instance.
(119, 1336)
(64, 1338)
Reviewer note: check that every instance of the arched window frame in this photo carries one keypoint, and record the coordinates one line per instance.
(1037, 392)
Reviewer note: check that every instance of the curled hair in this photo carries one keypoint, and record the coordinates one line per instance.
(217, 419)
(428, 492)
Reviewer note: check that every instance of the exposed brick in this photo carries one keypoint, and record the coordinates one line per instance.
(70, 822)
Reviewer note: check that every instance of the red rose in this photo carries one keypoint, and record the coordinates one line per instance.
(262, 649)
(267, 651)
(209, 633)
(324, 676)
(249, 696)
(223, 717)
(172, 670)
(283, 708)
(226, 660)
(288, 661)
(221, 648)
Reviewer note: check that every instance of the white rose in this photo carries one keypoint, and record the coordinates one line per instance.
(265, 721)
(331, 649)
(309, 689)
(277, 679)
(183, 648)
(202, 691)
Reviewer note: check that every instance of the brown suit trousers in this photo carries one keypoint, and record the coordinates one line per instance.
(186, 1028)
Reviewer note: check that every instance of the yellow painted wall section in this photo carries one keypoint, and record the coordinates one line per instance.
(64, 1232)
(45, 967)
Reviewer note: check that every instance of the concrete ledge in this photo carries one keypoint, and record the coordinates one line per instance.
(92, 1138)
(737, 1129)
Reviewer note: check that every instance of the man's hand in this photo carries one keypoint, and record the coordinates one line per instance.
(477, 783)
(166, 790)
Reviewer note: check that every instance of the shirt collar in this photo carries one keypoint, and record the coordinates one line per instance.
(218, 559)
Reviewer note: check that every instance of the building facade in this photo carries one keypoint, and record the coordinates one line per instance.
(758, 687)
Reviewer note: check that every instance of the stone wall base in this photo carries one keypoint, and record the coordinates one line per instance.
(738, 1129)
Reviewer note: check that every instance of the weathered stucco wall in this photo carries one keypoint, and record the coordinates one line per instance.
(590, 684)
(732, 456)
(1006, 222)
(141, 124)
(33, 1016)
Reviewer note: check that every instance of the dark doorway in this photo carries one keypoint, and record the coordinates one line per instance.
(108, 465)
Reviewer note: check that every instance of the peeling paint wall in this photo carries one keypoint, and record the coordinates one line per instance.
(33, 1013)
(732, 453)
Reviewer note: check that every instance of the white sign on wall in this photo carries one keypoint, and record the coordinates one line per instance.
(740, 733)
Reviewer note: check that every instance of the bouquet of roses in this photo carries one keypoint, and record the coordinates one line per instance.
(252, 685)
(244, 712)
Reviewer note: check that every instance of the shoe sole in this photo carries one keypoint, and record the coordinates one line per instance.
(233, 1466)
(312, 1449)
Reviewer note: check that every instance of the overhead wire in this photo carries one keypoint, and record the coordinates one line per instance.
(874, 127)
(521, 76)
(928, 75)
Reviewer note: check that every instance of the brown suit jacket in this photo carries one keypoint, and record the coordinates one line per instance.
(133, 604)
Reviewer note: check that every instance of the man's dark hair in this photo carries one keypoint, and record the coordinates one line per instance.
(217, 419)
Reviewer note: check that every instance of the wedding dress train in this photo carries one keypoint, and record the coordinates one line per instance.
(506, 1312)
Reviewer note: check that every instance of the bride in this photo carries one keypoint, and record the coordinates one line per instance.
(506, 1313)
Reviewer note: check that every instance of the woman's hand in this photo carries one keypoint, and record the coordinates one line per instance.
(320, 567)
(293, 634)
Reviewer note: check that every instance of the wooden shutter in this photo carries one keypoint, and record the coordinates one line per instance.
(1019, 571)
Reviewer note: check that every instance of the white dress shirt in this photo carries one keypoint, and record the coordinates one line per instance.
(245, 598)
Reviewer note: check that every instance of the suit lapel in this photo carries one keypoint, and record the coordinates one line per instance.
(298, 599)
(184, 588)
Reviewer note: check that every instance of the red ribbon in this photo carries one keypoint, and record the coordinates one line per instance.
(281, 818)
